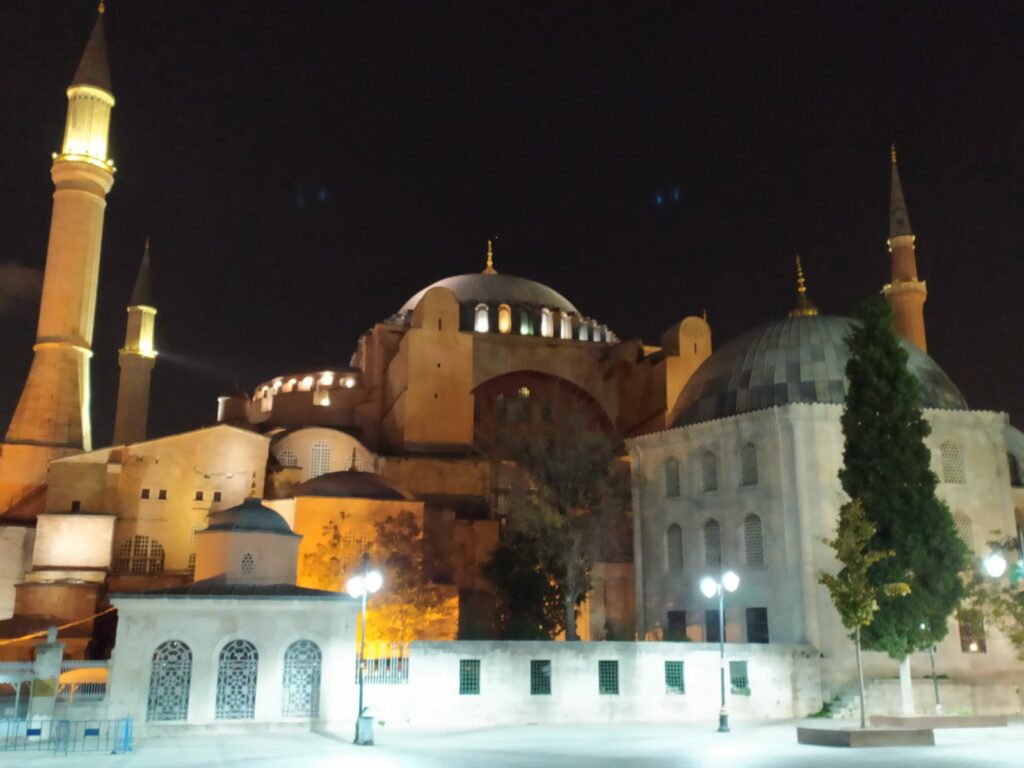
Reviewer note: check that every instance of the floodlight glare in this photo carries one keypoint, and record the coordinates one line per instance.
(374, 580)
(708, 586)
(355, 586)
(731, 581)
(995, 565)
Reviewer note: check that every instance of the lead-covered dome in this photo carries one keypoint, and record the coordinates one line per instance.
(352, 484)
(250, 515)
(796, 360)
(495, 289)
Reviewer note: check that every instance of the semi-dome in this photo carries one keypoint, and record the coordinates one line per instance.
(352, 484)
(250, 515)
(495, 289)
(797, 360)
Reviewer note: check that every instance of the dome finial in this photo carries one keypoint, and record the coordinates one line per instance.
(892, 152)
(489, 269)
(804, 307)
(102, 8)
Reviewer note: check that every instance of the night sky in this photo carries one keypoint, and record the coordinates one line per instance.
(303, 168)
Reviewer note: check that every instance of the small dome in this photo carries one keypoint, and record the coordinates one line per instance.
(250, 515)
(351, 484)
(796, 360)
(495, 289)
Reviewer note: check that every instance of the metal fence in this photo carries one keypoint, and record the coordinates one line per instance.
(72, 692)
(66, 736)
(385, 664)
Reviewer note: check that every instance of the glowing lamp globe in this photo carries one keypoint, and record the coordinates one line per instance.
(708, 586)
(355, 585)
(995, 565)
(373, 581)
(731, 581)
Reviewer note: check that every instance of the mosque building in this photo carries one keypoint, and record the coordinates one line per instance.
(734, 452)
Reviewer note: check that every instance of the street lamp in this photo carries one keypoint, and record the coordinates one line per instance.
(730, 582)
(995, 565)
(935, 679)
(361, 585)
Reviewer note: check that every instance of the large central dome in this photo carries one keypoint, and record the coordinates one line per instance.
(796, 360)
(495, 289)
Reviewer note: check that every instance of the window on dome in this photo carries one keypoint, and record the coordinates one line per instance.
(566, 323)
(319, 459)
(481, 323)
(525, 323)
(952, 463)
(547, 325)
(287, 459)
(584, 331)
(504, 319)
(595, 333)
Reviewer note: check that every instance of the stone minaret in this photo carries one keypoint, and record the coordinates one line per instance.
(905, 293)
(136, 359)
(52, 416)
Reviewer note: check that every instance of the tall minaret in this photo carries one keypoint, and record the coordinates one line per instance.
(905, 293)
(136, 359)
(52, 417)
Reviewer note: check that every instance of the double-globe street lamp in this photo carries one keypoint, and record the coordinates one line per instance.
(728, 582)
(360, 585)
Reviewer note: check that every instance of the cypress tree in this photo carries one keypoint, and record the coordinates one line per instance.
(886, 465)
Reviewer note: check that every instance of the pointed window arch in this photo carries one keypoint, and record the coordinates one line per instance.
(712, 543)
(301, 682)
(671, 477)
(170, 679)
(748, 464)
(566, 325)
(236, 681)
(504, 318)
(547, 324)
(674, 547)
(708, 471)
(482, 320)
(753, 540)
(952, 460)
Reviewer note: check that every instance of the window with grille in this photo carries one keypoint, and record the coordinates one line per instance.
(161, 495)
(1016, 480)
(608, 678)
(216, 496)
(76, 505)
(287, 459)
(236, 681)
(674, 680)
(708, 472)
(674, 547)
(964, 529)
(319, 459)
(712, 543)
(301, 683)
(192, 563)
(748, 464)
(757, 625)
(482, 323)
(671, 478)
(248, 564)
(712, 628)
(469, 677)
(199, 496)
(972, 630)
(170, 678)
(540, 677)
(676, 626)
(139, 554)
(952, 463)
(144, 494)
(738, 681)
(753, 540)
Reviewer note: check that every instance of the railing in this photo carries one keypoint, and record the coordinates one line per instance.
(87, 664)
(72, 692)
(44, 735)
(386, 664)
(16, 666)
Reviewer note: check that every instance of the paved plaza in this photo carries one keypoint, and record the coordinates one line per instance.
(594, 746)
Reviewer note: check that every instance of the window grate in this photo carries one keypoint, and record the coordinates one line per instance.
(712, 543)
(674, 680)
(469, 677)
(671, 478)
(139, 554)
(540, 677)
(248, 564)
(748, 465)
(952, 463)
(972, 630)
(674, 547)
(169, 682)
(757, 625)
(319, 459)
(709, 472)
(964, 529)
(236, 681)
(1016, 479)
(301, 682)
(753, 540)
(608, 678)
(287, 459)
(738, 680)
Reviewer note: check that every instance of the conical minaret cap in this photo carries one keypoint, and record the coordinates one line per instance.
(142, 293)
(899, 219)
(94, 69)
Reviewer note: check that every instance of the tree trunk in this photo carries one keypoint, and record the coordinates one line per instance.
(906, 688)
(860, 679)
(570, 618)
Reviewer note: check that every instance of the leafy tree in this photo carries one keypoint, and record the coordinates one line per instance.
(853, 592)
(886, 466)
(570, 512)
(530, 605)
(1001, 602)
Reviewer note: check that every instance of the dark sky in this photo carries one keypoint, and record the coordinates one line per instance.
(428, 127)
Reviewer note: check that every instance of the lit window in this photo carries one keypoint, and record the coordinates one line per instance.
(307, 384)
(709, 472)
(972, 630)
(469, 677)
(267, 403)
(753, 540)
(290, 386)
(481, 323)
(748, 464)
(674, 547)
(671, 477)
(566, 323)
(326, 379)
(712, 543)
(525, 323)
(524, 391)
(277, 386)
(952, 463)
(504, 319)
(595, 334)
(350, 381)
(322, 397)
(608, 678)
(547, 325)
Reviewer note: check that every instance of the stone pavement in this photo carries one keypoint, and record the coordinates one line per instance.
(750, 745)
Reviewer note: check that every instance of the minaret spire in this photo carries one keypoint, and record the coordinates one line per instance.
(905, 293)
(804, 307)
(489, 269)
(136, 359)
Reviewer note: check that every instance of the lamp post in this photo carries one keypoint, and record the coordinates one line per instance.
(995, 565)
(729, 582)
(935, 679)
(361, 585)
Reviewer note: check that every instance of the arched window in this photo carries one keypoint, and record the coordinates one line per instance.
(709, 472)
(565, 321)
(525, 323)
(481, 322)
(1016, 480)
(595, 334)
(301, 680)
(248, 566)
(674, 547)
(287, 459)
(504, 318)
(319, 459)
(753, 540)
(547, 324)
(139, 554)
(952, 463)
(748, 464)
(236, 681)
(584, 331)
(964, 529)
(170, 678)
(671, 477)
(712, 543)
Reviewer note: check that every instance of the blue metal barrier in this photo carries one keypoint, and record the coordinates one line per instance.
(57, 736)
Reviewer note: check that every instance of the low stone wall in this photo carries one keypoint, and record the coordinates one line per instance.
(957, 697)
(783, 683)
